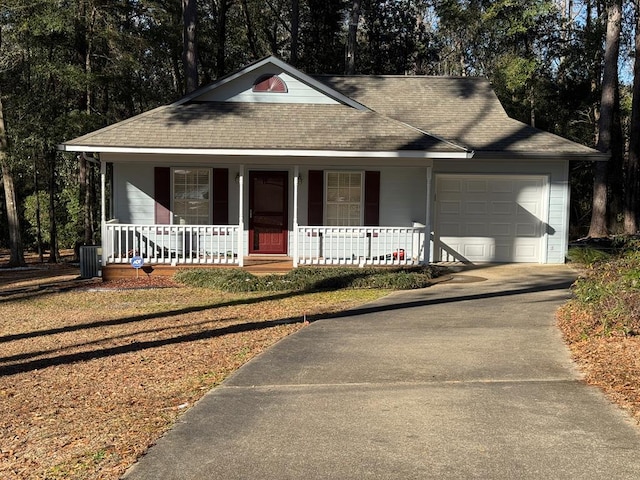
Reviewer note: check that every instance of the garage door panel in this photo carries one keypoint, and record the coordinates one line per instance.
(501, 229)
(476, 186)
(526, 251)
(502, 251)
(450, 185)
(502, 208)
(450, 229)
(489, 218)
(476, 229)
(476, 207)
(526, 230)
(448, 207)
(528, 208)
(476, 250)
(501, 186)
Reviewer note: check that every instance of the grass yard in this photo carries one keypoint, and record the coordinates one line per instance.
(91, 377)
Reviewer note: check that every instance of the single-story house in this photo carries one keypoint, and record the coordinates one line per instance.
(332, 170)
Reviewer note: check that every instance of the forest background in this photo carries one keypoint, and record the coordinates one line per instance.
(570, 67)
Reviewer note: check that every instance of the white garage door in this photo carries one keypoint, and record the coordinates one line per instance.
(490, 218)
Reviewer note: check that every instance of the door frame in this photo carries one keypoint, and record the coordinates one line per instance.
(285, 212)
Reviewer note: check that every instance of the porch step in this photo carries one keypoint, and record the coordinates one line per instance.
(254, 265)
(265, 265)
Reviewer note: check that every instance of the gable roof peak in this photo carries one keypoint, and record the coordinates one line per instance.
(278, 64)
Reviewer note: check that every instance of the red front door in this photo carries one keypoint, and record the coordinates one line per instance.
(268, 229)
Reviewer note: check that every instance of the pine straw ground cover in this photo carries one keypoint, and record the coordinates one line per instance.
(601, 325)
(91, 377)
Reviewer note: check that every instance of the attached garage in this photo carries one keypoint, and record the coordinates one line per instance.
(491, 218)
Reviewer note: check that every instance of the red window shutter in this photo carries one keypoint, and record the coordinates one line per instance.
(371, 198)
(315, 203)
(220, 196)
(162, 195)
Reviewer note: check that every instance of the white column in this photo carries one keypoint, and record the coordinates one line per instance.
(241, 232)
(296, 181)
(103, 209)
(428, 255)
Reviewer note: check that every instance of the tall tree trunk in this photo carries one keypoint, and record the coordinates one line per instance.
(189, 54)
(251, 34)
(633, 159)
(223, 8)
(88, 65)
(295, 28)
(598, 227)
(16, 258)
(615, 182)
(85, 200)
(36, 187)
(53, 224)
(352, 38)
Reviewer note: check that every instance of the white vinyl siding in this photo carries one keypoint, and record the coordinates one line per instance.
(133, 193)
(241, 90)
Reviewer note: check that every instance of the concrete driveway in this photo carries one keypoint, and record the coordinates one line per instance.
(465, 379)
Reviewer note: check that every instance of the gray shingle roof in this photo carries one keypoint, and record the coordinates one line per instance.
(215, 125)
(464, 110)
(439, 115)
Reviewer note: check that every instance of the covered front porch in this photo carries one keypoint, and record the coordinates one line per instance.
(271, 213)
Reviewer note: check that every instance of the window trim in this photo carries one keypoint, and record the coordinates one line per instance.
(327, 203)
(173, 195)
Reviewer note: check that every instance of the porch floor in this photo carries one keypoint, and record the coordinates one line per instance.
(253, 264)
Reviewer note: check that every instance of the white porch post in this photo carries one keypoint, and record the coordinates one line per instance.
(103, 210)
(296, 181)
(428, 257)
(241, 232)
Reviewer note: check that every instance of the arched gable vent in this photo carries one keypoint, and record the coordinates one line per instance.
(270, 83)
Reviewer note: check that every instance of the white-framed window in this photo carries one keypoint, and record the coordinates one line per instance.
(344, 197)
(191, 196)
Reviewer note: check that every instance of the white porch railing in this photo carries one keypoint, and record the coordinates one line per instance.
(360, 246)
(219, 244)
(172, 244)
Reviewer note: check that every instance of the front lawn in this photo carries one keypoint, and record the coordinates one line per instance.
(90, 378)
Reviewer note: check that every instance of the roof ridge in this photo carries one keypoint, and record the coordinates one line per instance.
(413, 77)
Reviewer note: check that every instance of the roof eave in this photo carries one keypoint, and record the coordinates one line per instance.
(590, 156)
(233, 152)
